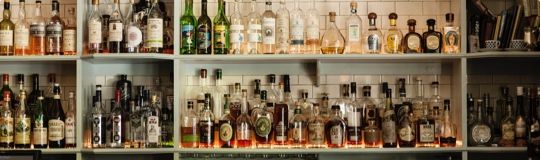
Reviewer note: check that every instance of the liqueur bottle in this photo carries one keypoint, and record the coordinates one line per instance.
(227, 128)
(372, 135)
(133, 33)
(370, 111)
(70, 130)
(153, 124)
(39, 130)
(432, 42)
(508, 128)
(22, 123)
(282, 29)
(393, 36)
(281, 118)
(336, 134)
(332, 41)
(451, 36)
(269, 30)
(263, 124)
(521, 121)
(412, 43)
(154, 29)
(6, 123)
(37, 31)
(372, 39)
(354, 120)
(406, 128)
(53, 32)
(6, 31)
(187, 26)
(70, 33)
(480, 132)
(447, 129)
(389, 123)
(117, 120)
(98, 121)
(316, 130)
(94, 29)
(237, 30)
(354, 31)
(221, 30)
(204, 31)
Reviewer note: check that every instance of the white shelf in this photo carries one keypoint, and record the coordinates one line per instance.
(128, 57)
(38, 58)
(129, 151)
(497, 149)
(503, 54)
(320, 150)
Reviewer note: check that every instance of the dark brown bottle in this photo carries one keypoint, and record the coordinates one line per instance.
(336, 128)
(432, 42)
(412, 42)
(56, 120)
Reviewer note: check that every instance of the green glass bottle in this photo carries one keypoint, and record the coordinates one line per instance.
(204, 31)
(187, 26)
(221, 30)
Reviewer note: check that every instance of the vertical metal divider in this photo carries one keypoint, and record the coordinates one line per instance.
(177, 80)
(80, 18)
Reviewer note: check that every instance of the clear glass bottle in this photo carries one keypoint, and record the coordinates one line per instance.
(6, 31)
(354, 31)
(336, 128)
(419, 103)
(189, 129)
(37, 31)
(282, 29)
(221, 30)
(298, 132)
(521, 121)
(412, 43)
(501, 105)
(332, 41)
(218, 92)
(389, 122)
(98, 121)
(70, 131)
(273, 92)
(22, 32)
(22, 123)
(6, 122)
(344, 100)
(94, 29)
(313, 40)
(354, 120)
(451, 36)
(305, 105)
(206, 125)
(153, 125)
(117, 129)
(244, 127)
(269, 30)
(116, 29)
(254, 31)
(372, 135)
(448, 128)
(254, 105)
(263, 124)
(425, 129)
(297, 27)
(204, 31)
(369, 109)
(432, 42)
(435, 104)
(237, 30)
(54, 30)
(316, 132)
(70, 33)
(236, 101)
(393, 36)
(480, 132)
(154, 29)
(187, 26)
(372, 38)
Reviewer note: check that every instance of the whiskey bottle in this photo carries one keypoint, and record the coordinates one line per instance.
(70, 33)
(37, 32)
(480, 133)
(412, 43)
(94, 29)
(389, 122)
(354, 31)
(521, 121)
(237, 30)
(432, 39)
(508, 128)
(244, 127)
(281, 118)
(282, 29)
(206, 125)
(332, 41)
(425, 130)
(254, 29)
(336, 134)
(204, 31)
(298, 129)
(6, 122)
(39, 129)
(22, 32)
(98, 121)
(354, 120)
(448, 129)
(312, 31)
(154, 29)
(370, 111)
(227, 128)
(372, 135)
(187, 26)
(105, 32)
(297, 25)
(117, 120)
(70, 130)
(6, 31)
(56, 121)
(189, 128)
(53, 31)
(263, 124)
(372, 38)
(393, 36)
(452, 41)
(22, 123)
(269, 30)
(316, 132)
(221, 30)
(116, 29)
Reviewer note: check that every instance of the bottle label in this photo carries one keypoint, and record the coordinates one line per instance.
(203, 37)
(298, 131)
(243, 132)
(481, 133)
(22, 36)
(116, 129)
(312, 28)
(70, 40)
(40, 136)
(371, 137)
(220, 37)
(521, 128)
(206, 128)
(134, 36)
(336, 135)
(413, 42)
(263, 126)
(254, 33)
(389, 131)
(22, 131)
(427, 133)
(154, 33)
(373, 42)
(54, 31)
(70, 130)
(354, 134)
(393, 43)
(269, 28)
(153, 130)
(237, 35)
(226, 132)
(432, 42)
(354, 32)
(37, 30)
(371, 113)
(6, 37)
(188, 36)
(451, 37)
(56, 130)
(297, 31)
(116, 31)
(97, 124)
(282, 33)
(189, 135)
(281, 132)
(354, 119)
(94, 32)
(316, 133)
(406, 134)
(508, 132)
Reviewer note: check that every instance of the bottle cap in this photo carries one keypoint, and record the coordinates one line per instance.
(411, 22)
(203, 73)
(268, 3)
(354, 5)
(431, 22)
(20, 78)
(392, 16)
(435, 83)
(52, 78)
(332, 16)
(335, 107)
(389, 93)
(5, 77)
(353, 87)
(372, 15)
(449, 17)
(272, 78)
(263, 94)
(123, 77)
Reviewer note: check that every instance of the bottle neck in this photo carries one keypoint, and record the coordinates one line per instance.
(22, 11)
(71, 103)
(189, 7)
(204, 8)
(436, 91)
(252, 6)
(7, 12)
(37, 13)
(221, 8)
(412, 28)
(268, 7)
(431, 28)
(372, 24)
(393, 23)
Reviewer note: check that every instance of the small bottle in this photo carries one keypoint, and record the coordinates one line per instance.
(354, 31)
(6, 31)
(452, 41)
(254, 31)
(189, 128)
(336, 134)
(393, 36)
(206, 125)
(447, 128)
(425, 130)
(432, 42)
(412, 43)
(244, 127)
(70, 33)
(297, 26)
(22, 32)
(237, 30)
(56, 121)
(54, 30)
(480, 133)
(221, 30)
(116, 29)
(269, 30)
(372, 135)
(333, 41)
(70, 130)
(94, 29)
(316, 126)
(204, 31)
(298, 129)
(372, 39)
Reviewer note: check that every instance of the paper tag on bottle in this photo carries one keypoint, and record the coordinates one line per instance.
(115, 32)
(154, 33)
(70, 40)
(94, 32)
(22, 36)
(269, 27)
(6, 37)
(354, 32)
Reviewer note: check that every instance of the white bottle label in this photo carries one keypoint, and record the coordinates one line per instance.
(154, 33)
(117, 129)
(22, 36)
(6, 37)
(237, 35)
(37, 30)
(413, 42)
(354, 32)
(70, 40)
(254, 33)
(354, 119)
(389, 131)
(297, 29)
(269, 28)
(153, 130)
(336, 135)
(94, 32)
(115, 32)
(282, 33)
(56, 130)
(22, 131)
(427, 133)
(432, 42)
(312, 29)
(70, 130)
(40, 136)
(134, 36)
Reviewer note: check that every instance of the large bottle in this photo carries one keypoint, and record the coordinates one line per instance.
(187, 28)
(254, 29)
(237, 30)
(281, 119)
(94, 29)
(521, 120)
(153, 125)
(297, 26)
(316, 126)
(37, 32)
(354, 31)
(56, 121)
(98, 121)
(204, 31)
(389, 122)
(282, 29)
(54, 30)
(154, 29)
(22, 123)
(336, 134)
(244, 126)
(125, 87)
(206, 124)
(479, 132)
(117, 138)
(6, 31)
(39, 128)
(269, 30)
(221, 30)
(70, 33)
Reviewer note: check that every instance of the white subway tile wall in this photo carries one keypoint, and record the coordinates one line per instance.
(45, 8)
(67, 84)
(491, 83)
(109, 84)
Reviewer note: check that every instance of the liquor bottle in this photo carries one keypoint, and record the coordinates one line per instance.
(282, 29)
(117, 121)
(325, 106)
(22, 123)
(6, 123)
(268, 30)
(297, 25)
(187, 26)
(70, 122)
(254, 105)
(471, 116)
(281, 117)
(116, 29)
(490, 120)
(332, 41)
(316, 132)
(273, 93)
(372, 39)
(419, 103)
(263, 124)
(202, 90)
(206, 125)
(6, 31)
(344, 100)
(167, 116)
(244, 127)
(412, 43)
(502, 103)
(154, 29)
(136, 134)
(372, 135)
(227, 128)
(70, 33)
(94, 29)
(435, 104)
(432, 39)
(56, 120)
(521, 124)
(254, 31)
(153, 124)
(219, 90)
(20, 83)
(436, 116)
(22, 32)
(236, 101)
(336, 134)
(508, 128)
(305, 105)
(37, 32)
(354, 31)
(53, 32)
(298, 129)
(190, 128)
(354, 120)
(406, 129)
(451, 35)
(6, 88)
(448, 129)
(124, 86)
(39, 129)
(221, 30)
(425, 129)
(534, 120)
(393, 36)
(133, 34)
(480, 132)
(402, 100)
(313, 41)
(389, 123)
(168, 36)
(104, 31)
(98, 121)
(369, 109)
(204, 31)
(237, 30)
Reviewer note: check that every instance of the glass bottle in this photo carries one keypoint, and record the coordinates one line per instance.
(471, 110)
(6, 123)
(37, 31)
(354, 120)
(336, 134)
(137, 127)
(490, 119)
(221, 30)
(168, 36)
(206, 125)
(425, 129)
(56, 121)
(236, 101)
(412, 43)
(98, 121)
(406, 129)
(70, 33)
(54, 30)
(305, 105)
(372, 135)
(219, 90)
(344, 100)
(508, 128)
(297, 24)
(237, 30)
(451, 36)
(419, 103)
(432, 39)
(70, 130)
(244, 127)
(534, 121)
(372, 38)
(389, 122)
(189, 128)
(354, 31)
(316, 132)
(273, 93)
(501, 105)
(332, 41)
(187, 26)
(154, 29)
(133, 34)
(116, 29)
(282, 29)
(369, 109)
(204, 31)
(448, 128)
(521, 122)
(393, 36)
(6, 88)
(6, 31)
(313, 41)
(22, 32)
(298, 132)
(227, 128)
(254, 105)
(281, 118)
(254, 44)
(39, 130)
(435, 104)
(269, 30)
(153, 125)
(124, 86)
(94, 29)
(480, 132)
(117, 129)
(22, 123)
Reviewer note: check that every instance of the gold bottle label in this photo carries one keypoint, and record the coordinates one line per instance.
(432, 42)
(413, 42)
